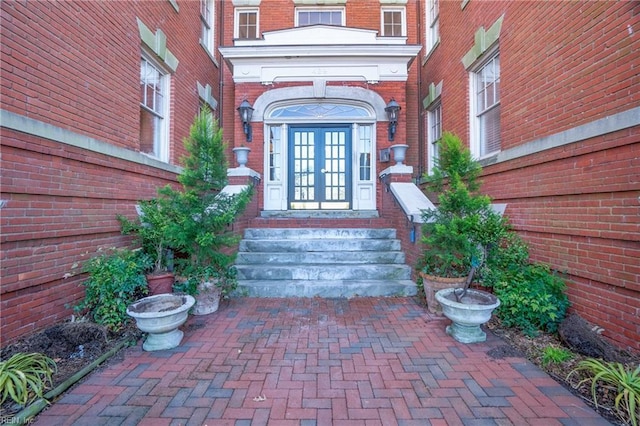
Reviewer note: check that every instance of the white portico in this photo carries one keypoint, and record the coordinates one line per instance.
(319, 136)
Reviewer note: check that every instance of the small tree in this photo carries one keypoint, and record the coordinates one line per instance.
(152, 230)
(456, 234)
(201, 227)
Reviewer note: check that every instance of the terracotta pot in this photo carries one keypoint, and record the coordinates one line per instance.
(160, 283)
(432, 284)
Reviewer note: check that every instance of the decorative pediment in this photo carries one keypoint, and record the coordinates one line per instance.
(320, 35)
(322, 52)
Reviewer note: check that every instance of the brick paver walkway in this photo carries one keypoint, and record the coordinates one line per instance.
(364, 361)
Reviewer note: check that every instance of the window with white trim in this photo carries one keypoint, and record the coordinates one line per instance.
(154, 110)
(247, 21)
(393, 22)
(309, 16)
(434, 133)
(275, 153)
(433, 23)
(365, 139)
(207, 16)
(485, 107)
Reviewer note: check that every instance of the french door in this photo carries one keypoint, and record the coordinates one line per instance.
(319, 167)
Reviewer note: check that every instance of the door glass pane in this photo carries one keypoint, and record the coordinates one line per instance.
(323, 153)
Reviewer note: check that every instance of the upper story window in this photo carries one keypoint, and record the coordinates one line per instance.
(393, 22)
(307, 16)
(246, 27)
(207, 18)
(154, 110)
(433, 23)
(434, 133)
(485, 107)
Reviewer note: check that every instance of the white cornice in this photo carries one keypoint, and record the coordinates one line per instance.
(320, 51)
(320, 35)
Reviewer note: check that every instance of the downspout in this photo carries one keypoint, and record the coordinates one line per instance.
(221, 62)
(421, 153)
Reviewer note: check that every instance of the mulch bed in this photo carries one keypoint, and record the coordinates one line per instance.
(72, 345)
(533, 348)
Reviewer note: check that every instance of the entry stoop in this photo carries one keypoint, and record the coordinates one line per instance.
(310, 262)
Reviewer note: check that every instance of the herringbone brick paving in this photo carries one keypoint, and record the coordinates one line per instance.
(362, 361)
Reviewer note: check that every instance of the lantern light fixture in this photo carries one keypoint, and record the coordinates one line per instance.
(246, 111)
(393, 110)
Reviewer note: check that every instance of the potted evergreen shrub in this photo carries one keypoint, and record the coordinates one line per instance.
(457, 234)
(152, 230)
(450, 232)
(201, 230)
(465, 241)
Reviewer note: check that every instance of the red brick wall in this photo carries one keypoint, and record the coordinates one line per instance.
(76, 66)
(563, 64)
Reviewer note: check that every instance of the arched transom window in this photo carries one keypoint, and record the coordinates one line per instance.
(328, 111)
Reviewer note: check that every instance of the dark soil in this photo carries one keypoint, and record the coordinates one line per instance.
(75, 345)
(72, 345)
(578, 337)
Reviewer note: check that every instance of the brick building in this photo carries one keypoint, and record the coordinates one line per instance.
(546, 94)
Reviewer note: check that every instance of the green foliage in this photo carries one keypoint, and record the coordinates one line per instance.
(464, 233)
(457, 233)
(510, 251)
(624, 382)
(456, 163)
(532, 297)
(202, 216)
(205, 165)
(23, 377)
(152, 231)
(555, 355)
(116, 279)
(225, 280)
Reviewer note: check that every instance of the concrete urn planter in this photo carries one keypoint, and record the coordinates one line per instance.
(242, 155)
(468, 315)
(160, 316)
(207, 299)
(399, 153)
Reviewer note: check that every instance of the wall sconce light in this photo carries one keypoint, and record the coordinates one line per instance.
(392, 109)
(246, 111)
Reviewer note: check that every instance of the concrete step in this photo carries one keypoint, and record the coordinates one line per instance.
(322, 262)
(324, 272)
(327, 288)
(273, 245)
(317, 257)
(318, 233)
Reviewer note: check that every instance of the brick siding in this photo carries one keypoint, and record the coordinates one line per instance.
(563, 65)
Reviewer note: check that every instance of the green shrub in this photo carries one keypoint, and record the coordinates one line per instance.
(116, 279)
(625, 384)
(532, 297)
(202, 214)
(23, 377)
(451, 233)
(555, 355)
